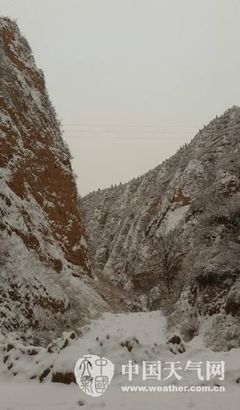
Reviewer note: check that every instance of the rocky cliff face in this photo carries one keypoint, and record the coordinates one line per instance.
(174, 233)
(43, 253)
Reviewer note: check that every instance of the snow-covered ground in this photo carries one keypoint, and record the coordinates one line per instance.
(120, 338)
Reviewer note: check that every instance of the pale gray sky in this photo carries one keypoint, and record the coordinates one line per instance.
(132, 80)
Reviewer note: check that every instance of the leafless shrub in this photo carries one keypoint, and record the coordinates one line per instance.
(169, 258)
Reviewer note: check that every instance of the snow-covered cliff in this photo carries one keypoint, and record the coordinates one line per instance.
(174, 233)
(44, 260)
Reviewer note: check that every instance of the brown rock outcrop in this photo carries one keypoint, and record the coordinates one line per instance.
(43, 253)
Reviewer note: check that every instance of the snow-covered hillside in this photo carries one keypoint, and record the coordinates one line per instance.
(44, 260)
(123, 337)
(190, 202)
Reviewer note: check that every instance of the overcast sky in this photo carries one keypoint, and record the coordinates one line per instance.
(132, 80)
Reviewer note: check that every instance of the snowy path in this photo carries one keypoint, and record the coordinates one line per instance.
(104, 337)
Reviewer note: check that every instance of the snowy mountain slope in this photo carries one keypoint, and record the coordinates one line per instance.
(191, 200)
(44, 260)
(122, 338)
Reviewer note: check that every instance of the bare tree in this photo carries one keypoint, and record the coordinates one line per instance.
(169, 257)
